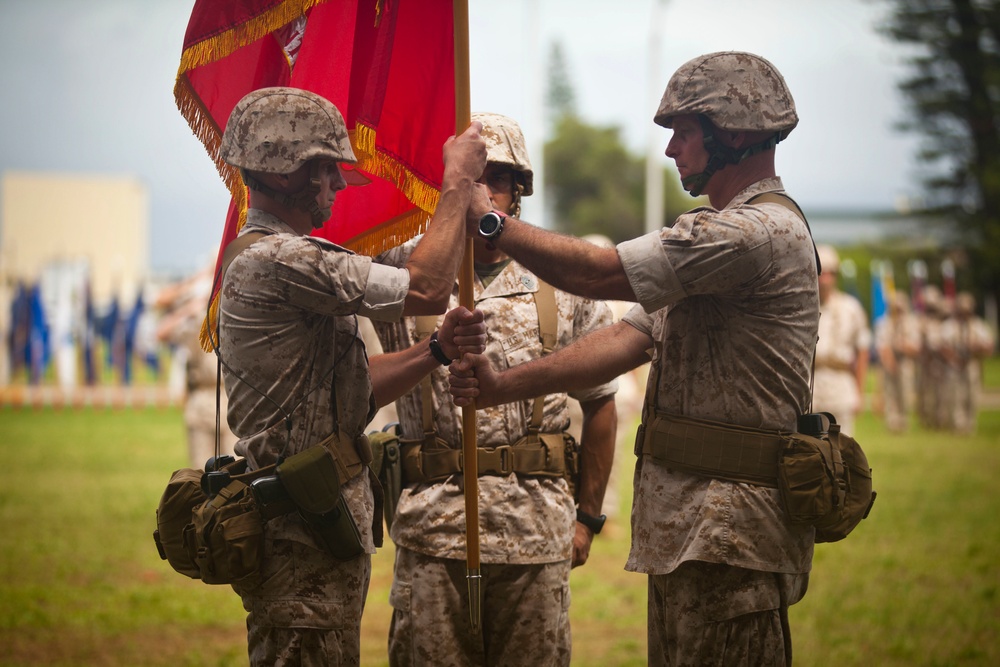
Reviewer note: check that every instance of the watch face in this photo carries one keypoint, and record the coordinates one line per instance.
(488, 224)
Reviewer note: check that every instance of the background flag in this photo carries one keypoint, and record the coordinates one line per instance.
(388, 65)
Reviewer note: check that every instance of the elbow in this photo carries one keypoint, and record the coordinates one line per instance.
(428, 294)
(427, 298)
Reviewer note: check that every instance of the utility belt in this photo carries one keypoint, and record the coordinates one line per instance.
(713, 449)
(210, 525)
(821, 474)
(536, 454)
(835, 365)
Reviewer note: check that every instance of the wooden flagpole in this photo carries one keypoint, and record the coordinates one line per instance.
(463, 117)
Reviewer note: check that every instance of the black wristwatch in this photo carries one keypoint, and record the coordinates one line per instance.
(437, 351)
(595, 523)
(491, 224)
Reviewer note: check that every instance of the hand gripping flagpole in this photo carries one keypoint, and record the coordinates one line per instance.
(463, 115)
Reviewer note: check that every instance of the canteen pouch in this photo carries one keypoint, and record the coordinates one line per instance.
(311, 480)
(173, 515)
(859, 495)
(564, 440)
(387, 465)
(226, 537)
(826, 481)
(808, 475)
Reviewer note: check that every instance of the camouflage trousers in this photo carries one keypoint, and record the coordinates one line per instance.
(525, 614)
(307, 609)
(711, 614)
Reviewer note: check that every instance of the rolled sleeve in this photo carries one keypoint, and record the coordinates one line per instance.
(385, 293)
(649, 272)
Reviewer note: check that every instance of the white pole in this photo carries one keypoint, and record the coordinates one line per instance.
(654, 167)
(535, 204)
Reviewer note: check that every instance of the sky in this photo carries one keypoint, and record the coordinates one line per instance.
(87, 88)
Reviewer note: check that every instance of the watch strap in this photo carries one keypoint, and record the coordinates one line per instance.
(595, 523)
(437, 351)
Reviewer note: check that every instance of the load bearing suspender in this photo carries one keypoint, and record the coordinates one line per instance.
(427, 460)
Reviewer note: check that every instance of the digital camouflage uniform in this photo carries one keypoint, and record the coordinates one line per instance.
(288, 334)
(897, 334)
(526, 523)
(970, 340)
(932, 403)
(843, 335)
(730, 300)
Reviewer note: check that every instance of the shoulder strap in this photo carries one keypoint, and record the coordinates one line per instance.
(789, 203)
(548, 331)
(235, 247)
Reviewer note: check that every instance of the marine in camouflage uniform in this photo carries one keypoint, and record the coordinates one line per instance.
(842, 348)
(968, 340)
(295, 367)
(729, 310)
(528, 532)
(897, 338)
(932, 403)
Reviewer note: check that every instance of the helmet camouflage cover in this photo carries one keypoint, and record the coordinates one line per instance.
(737, 91)
(277, 130)
(505, 145)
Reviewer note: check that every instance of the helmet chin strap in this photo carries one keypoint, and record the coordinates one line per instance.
(720, 155)
(304, 199)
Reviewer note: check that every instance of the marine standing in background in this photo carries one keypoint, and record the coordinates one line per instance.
(842, 350)
(968, 340)
(932, 403)
(897, 339)
(532, 532)
(296, 369)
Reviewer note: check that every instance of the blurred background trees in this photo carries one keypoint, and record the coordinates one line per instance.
(953, 100)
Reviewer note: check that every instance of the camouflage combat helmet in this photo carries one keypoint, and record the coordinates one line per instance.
(505, 145)
(733, 91)
(276, 131)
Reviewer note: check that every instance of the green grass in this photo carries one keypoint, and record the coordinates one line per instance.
(81, 583)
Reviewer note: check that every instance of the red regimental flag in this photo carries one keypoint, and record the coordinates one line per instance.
(388, 65)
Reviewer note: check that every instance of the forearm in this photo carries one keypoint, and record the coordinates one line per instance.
(435, 261)
(566, 262)
(597, 438)
(594, 359)
(861, 371)
(395, 373)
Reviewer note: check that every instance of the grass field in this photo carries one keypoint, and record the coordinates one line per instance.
(918, 583)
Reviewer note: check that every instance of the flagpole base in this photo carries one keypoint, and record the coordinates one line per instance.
(475, 600)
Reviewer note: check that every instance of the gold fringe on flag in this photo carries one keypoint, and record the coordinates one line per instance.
(372, 242)
(424, 196)
(219, 46)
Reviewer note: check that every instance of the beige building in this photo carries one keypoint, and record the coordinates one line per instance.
(56, 220)
(52, 217)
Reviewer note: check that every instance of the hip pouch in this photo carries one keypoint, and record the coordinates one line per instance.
(387, 465)
(824, 478)
(226, 537)
(210, 529)
(311, 480)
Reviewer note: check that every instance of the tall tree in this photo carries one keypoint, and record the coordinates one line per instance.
(597, 185)
(953, 94)
(560, 99)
